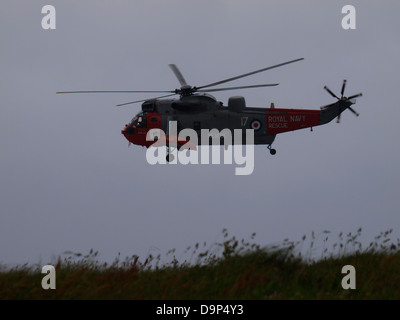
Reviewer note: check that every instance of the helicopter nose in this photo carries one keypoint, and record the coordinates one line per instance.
(128, 130)
(128, 133)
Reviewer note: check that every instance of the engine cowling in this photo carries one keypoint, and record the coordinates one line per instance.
(236, 103)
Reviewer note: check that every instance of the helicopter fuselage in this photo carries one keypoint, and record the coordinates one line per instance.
(203, 112)
(197, 112)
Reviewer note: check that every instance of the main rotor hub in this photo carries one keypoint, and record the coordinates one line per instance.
(186, 90)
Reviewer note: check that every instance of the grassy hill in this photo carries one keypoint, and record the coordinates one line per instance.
(230, 269)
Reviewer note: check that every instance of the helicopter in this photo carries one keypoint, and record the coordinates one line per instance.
(198, 110)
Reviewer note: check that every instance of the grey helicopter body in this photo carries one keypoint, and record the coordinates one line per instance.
(197, 109)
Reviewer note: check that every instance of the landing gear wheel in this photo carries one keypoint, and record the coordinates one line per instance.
(271, 151)
(170, 157)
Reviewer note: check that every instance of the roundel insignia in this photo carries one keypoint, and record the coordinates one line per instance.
(256, 125)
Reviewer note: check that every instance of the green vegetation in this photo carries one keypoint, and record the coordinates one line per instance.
(231, 269)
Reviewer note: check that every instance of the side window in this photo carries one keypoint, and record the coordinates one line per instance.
(154, 120)
(142, 123)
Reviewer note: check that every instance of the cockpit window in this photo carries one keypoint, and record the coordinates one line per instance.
(139, 121)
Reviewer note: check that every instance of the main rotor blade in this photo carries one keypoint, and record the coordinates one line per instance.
(141, 91)
(248, 74)
(343, 87)
(178, 74)
(355, 96)
(124, 104)
(241, 87)
(332, 94)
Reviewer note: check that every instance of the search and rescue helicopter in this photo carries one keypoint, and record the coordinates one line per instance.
(196, 109)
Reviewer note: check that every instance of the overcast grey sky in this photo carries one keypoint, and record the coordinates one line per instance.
(68, 180)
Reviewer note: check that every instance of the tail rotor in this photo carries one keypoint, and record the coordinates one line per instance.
(344, 102)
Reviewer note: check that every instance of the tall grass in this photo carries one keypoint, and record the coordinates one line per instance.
(309, 268)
